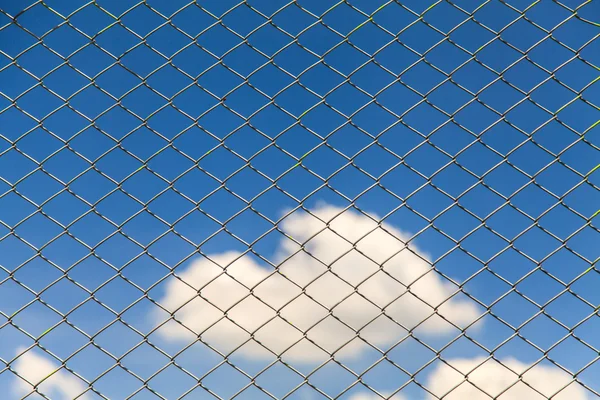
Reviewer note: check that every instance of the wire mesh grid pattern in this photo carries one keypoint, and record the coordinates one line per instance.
(299, 199)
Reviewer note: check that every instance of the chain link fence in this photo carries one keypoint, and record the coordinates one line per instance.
(301, 199)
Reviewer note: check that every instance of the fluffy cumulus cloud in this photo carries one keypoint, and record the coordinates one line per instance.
(35, 368)
(491, 379)
(386, 274)
(496, 380)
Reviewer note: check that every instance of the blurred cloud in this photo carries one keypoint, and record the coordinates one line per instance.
(373, 396)
(494, 378)
(308, 312)
(36, 368)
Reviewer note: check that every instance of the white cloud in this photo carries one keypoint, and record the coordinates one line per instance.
(36, 368)
(427, 290)
(493, 378)
(496, 380)
(373, 396)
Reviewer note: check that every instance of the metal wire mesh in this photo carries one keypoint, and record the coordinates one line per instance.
(299, 199)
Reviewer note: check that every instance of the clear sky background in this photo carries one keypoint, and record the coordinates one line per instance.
(129, 148)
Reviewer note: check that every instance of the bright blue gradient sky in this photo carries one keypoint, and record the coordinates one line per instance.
(127, 156)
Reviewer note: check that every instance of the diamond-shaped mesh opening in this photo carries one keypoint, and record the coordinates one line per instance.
(299, 199)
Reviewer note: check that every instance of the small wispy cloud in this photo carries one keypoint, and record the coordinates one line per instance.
(374, 396)
(493, 379)
(42, 372)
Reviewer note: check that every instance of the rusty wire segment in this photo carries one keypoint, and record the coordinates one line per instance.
(549, 52)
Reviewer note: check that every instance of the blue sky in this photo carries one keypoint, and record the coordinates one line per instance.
(192, 156)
